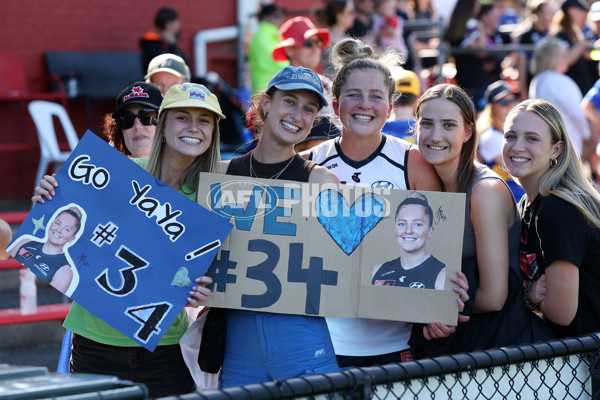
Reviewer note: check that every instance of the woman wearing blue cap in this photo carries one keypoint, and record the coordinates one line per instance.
(263, 346)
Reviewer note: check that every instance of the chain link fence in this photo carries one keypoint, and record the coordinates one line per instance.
(558, 369)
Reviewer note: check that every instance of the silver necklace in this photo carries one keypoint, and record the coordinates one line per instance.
(277, 175)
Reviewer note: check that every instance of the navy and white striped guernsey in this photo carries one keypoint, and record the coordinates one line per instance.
(385, 168)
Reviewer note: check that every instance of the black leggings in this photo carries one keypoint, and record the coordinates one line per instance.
(163, 371)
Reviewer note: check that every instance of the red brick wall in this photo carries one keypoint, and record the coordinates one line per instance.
(32, 27)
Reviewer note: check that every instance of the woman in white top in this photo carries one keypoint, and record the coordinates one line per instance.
(550, 83)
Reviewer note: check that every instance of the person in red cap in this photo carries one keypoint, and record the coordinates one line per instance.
(302, 43)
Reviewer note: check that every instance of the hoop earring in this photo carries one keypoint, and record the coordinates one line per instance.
(553, 162)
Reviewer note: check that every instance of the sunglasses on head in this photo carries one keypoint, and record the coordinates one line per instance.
(147, 116)
(313, 42)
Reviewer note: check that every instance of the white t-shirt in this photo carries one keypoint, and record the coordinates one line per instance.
(565, 95)
(386, 167)
(490, 145)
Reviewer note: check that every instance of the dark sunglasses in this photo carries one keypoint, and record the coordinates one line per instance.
(147, 116)
(312, 42)
(506, 102)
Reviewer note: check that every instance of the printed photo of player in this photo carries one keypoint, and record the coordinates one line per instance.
(416, 267)
(48, 257)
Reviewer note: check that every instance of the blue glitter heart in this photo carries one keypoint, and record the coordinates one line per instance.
(346, 225)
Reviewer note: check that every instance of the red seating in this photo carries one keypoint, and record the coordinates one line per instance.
(49, 312)
(13, 88)
(13, 84)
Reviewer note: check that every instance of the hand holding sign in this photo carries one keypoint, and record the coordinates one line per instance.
(302, 248)
(139, 247)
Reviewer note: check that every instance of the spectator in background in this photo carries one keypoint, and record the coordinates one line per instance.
(568, 25)
(550, 83)
(338, 16)
(508, 15)
(363, 20)
(5, 238)
(388, 28)
(131, 127)
(591, 107)
(164, 37)
(418, 38)
(594, 20)
(302, 46)
(475, 71)
(534, 28)
(167, 70)
(401, 123)
(301, 43)
(267, 36)
(501, 97)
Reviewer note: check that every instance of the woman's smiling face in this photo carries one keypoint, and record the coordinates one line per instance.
(441, 132)
(363, 104)
(188, 131)
(413, 228)
(290, 115)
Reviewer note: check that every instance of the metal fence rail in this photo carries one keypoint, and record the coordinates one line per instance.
(558, 369)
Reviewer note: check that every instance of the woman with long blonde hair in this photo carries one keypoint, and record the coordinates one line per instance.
(560, 240)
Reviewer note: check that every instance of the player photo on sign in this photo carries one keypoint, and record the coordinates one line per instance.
(120, 243)
(48, 257)
(298, 248)
(416, 267)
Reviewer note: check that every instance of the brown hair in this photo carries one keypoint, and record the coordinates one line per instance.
(352, 54)
(75, 213)
(115, 134)
(466, 167)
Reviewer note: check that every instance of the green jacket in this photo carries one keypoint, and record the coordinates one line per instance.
(262, 65)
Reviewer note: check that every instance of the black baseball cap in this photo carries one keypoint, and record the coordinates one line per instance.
(498, 90)
(574, 3)
(144, 93)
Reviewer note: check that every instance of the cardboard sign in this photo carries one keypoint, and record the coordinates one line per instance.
(300, 248)
(119, 242)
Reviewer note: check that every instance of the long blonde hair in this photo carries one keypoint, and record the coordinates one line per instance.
(567, 180)
(209, 161)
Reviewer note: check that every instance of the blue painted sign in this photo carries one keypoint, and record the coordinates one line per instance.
(119, 242)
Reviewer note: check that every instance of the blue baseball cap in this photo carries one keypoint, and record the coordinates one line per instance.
(297, 78)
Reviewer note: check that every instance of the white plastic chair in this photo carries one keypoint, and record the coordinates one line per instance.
(42, 113)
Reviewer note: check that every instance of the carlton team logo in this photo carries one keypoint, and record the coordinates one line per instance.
(137, 91)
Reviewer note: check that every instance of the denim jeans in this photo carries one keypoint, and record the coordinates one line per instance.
(262, 347)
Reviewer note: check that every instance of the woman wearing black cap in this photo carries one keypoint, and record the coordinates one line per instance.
(131, 127)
